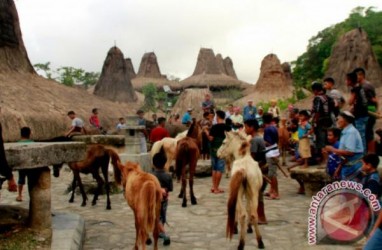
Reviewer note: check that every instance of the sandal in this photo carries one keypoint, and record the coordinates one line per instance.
(219, 191)
(19, 199)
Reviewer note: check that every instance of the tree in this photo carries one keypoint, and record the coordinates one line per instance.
(45, 67)
(312, 64)
(150, 93)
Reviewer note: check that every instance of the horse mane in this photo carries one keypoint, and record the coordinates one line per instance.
(192, 128)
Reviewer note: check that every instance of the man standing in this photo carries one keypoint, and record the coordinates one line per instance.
(372, 106)
(358, 101)
(159, 132)
(5, 170)
(322, 117)
(216, 136)
(142, 132)
(335, 94)
(249, 111)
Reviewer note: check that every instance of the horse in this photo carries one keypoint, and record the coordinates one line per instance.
(143, 193)
(97, 157)
(187, 153)
(246, 180)
(284, 140)
(169, 146)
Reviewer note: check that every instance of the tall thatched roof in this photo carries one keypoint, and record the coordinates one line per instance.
(272, 83)
(353, 50)
(27, 99)
(114, 82)
(191, 98)
(13, 55)
(130, 68)
(213, 72)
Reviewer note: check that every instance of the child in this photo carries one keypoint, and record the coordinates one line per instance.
(165, 180)
(333, 160)
(25, 134)
(370, 179)
(304, 130)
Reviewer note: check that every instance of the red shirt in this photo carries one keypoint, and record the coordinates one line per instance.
(158, 134)
(94, 121)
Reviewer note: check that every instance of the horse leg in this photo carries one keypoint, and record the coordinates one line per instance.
(56, 170)
(241, 217)
(84, 197)
(105, 167)
(100, 183)
(156, 231)
(184, 185)
(136, 246)
(71, 200)
(191, 181)
(252, 203)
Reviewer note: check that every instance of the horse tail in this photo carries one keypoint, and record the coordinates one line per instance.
(236, 181)
(114, 161)
(181, 154)
(149, 206)
(156, 147)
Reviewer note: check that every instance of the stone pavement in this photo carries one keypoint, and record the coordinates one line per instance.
(195, 227)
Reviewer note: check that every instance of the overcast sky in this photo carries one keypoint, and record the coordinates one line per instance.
(79, 33)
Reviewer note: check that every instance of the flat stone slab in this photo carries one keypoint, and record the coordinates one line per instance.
(68, 231)
(36, 155)
(203, 168)
(115, 140)
(310, 174)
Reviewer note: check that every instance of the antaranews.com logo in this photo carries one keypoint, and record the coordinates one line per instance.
(341, 212)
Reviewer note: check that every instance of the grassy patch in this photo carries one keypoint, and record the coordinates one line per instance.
(21, 238)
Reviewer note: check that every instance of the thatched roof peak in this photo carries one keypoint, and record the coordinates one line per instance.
(353, 50)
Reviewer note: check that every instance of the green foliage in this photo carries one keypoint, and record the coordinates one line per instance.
(313, 64)
(68, 75)
(150, 93)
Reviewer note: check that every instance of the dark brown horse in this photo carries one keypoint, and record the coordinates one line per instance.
(97, 157)
(187, 153)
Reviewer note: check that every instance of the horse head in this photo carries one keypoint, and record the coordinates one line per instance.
(195, 131)
(235, 144)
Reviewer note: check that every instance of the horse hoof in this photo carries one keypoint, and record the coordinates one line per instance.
(241, 245)
(194, 202)
(71, 201)
(249, 230)
(83, 205)
(261, 244)
(184, 204)
(108, 207)
(149, 241)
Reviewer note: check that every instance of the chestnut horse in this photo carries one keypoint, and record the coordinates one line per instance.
(97, 157)
(246, 180)
(143, 193)
(187, 153)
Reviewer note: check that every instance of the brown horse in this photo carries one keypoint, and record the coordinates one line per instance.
(187, 153)
(143, 193)
(97, 157)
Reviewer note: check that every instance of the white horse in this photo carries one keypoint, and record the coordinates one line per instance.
(246, 180)
(169, 145)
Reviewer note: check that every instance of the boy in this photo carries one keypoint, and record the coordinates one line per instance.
(304, 130)
(25, 134)
(333, 160)
(370, 177)
(271, 138)
(165, 180)
(121, 124)
(258, 154)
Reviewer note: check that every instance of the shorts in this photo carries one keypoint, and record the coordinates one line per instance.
(217, 164)
(22, 177)
(304, 148)
(272, 166)
(163, 212)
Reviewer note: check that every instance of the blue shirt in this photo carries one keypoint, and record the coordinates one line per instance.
(271, 135)
(249, 113)
(351, 141)
(303, 131)
(186, 118)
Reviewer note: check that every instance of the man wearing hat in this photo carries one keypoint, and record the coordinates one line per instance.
(351, 147)
(187, 119)
(249, 111)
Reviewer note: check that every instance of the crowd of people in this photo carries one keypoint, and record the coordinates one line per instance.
(335, 133)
